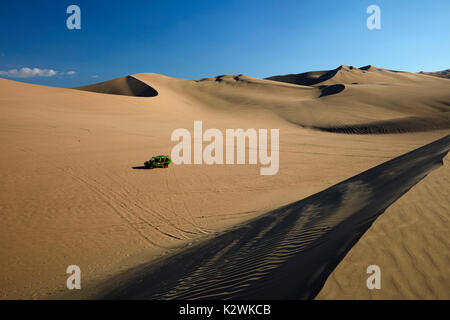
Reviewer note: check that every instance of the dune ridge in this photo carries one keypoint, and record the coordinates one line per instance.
(441, 74)
(387, 101)
(408, 242)
(401, 125)
(347, 75)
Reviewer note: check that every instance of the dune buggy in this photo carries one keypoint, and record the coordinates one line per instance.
(158, 162)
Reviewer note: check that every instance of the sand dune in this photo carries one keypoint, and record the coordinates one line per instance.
(349, 75)
(387, 101)
(441, 74)
(287, 253)
(70, 194)
(409, 242)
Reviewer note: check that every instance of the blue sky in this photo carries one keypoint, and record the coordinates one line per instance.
(194, 39)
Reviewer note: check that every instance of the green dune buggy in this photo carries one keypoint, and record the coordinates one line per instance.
(158, 162)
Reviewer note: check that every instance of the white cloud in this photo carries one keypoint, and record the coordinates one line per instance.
(71, 73)
(95, 76)
(28, 73)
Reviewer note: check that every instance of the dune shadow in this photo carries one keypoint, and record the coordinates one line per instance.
(330, 90)
(139, 88)
(366, 68)
(437, 121)
(306, 78)
(287, 253)
(125, 86)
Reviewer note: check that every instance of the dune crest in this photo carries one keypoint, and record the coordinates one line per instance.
(441, 74)
(348, 75)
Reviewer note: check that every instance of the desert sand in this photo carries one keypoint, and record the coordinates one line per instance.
(70, 194)
(289, 252)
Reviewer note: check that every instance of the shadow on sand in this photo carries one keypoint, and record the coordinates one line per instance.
(438, 121)
(125, 86)
(287, 253)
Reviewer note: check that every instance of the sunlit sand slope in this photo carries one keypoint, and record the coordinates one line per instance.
(409, 243)
(371, 100)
